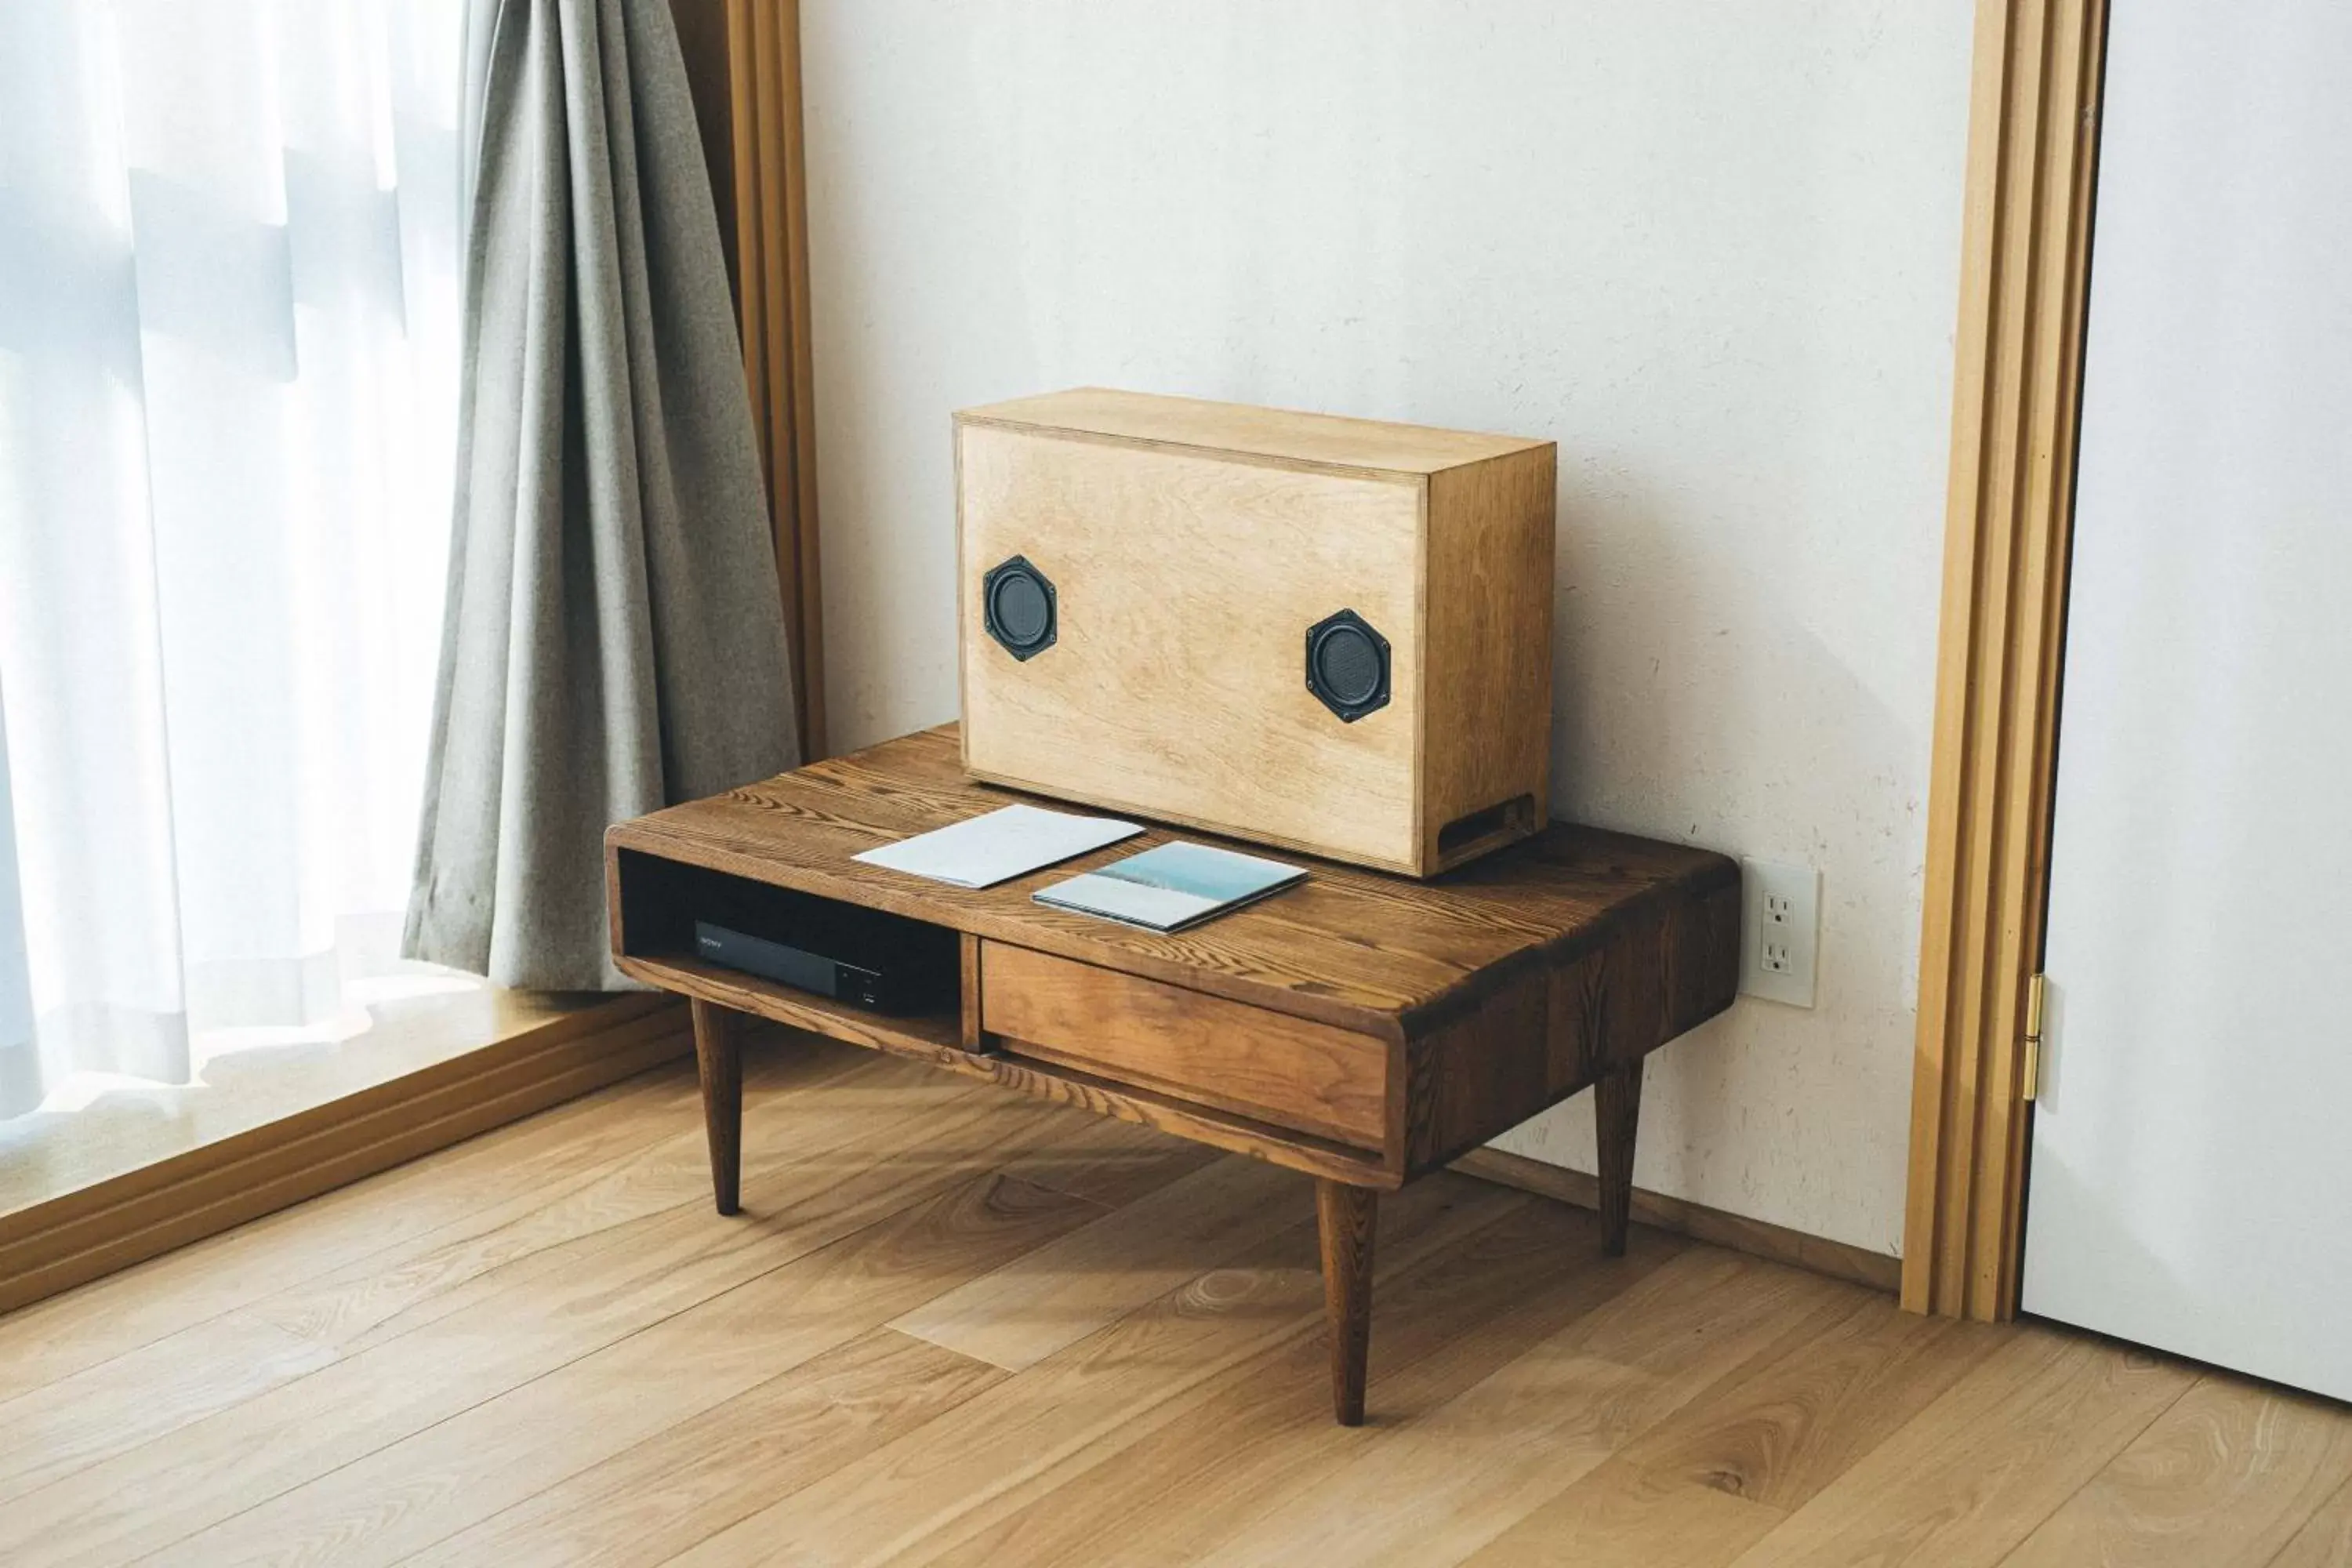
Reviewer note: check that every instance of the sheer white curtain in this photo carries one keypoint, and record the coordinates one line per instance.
(229, 262)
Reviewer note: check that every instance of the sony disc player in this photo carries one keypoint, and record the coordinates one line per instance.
(852, 955)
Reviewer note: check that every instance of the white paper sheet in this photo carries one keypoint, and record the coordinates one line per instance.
(983, 851)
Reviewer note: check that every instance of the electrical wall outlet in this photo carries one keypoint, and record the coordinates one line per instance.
(1779, 931)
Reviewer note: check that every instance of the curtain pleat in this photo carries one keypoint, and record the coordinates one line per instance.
(613, 640)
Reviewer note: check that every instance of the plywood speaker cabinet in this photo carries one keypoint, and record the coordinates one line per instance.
(1329, 634)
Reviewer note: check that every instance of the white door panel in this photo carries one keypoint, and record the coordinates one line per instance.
(2192, 1178)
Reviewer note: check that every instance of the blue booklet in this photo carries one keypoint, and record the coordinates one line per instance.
(1172, 887)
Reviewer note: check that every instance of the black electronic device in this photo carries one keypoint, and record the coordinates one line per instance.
(860, 956)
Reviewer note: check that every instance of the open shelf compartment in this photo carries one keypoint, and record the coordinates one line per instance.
(660, 904)
(658, 901)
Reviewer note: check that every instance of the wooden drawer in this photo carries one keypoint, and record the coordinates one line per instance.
(1289, 1071)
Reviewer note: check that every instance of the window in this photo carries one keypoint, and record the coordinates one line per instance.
(229, 279)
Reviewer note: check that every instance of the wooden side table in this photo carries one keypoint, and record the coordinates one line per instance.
(1362, 1028)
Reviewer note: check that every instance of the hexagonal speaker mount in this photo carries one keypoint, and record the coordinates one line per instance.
(1017, 604)
(1348, 665)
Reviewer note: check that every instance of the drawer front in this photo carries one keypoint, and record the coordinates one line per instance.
(1289, 1071)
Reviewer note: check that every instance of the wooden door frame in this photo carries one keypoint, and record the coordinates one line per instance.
(2016, 406)
(743, 64)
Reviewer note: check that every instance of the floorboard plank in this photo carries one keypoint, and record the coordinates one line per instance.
(542, 1347)
(2326, 1539)
(69, 1333)
(2224, 1478)
(1129, 1161)
(1625, 1516)
(500, 1452)
(1436, 1488)
(960, 1474)
(50, 1432)
(644, 1505)
(665, 1182)
(1781, 1428)
(509, 1332)
(1971, 1475)
(1019, 1314)
(1263, 1431)
(1770, 1435)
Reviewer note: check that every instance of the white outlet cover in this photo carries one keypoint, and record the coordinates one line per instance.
(1781, 905)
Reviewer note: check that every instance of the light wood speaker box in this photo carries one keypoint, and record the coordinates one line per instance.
(1329, 634)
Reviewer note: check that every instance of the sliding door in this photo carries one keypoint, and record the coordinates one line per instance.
(2192, 1178)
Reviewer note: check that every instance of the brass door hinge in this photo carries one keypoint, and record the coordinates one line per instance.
(2034, 989)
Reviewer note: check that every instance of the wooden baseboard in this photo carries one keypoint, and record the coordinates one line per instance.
(111, 1225)
(1781, 1244)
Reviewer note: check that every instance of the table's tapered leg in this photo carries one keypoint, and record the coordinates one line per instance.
(1616, 1112)
(719, 1054)
(1344, 1215)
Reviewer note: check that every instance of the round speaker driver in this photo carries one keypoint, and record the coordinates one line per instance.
(1348, 665)
(1018, 604)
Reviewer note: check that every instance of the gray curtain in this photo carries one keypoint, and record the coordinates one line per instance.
(615, 638)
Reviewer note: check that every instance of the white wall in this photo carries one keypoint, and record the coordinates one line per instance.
(1711, 250)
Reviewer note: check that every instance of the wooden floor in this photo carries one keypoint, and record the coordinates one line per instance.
(957, 1327)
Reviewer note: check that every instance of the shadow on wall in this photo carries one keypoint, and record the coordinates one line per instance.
(1660, 744)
